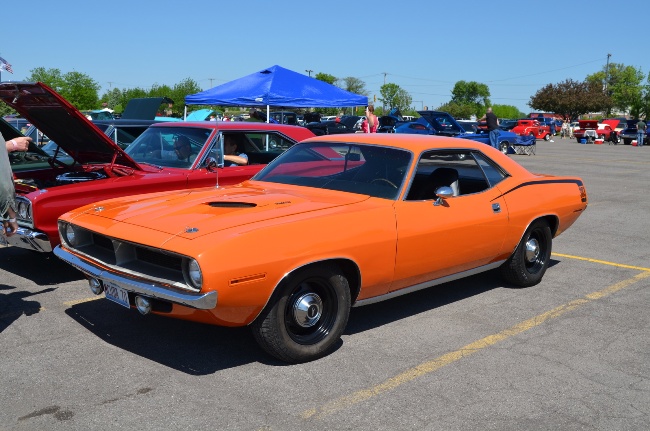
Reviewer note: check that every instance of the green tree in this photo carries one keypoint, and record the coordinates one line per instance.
(394, 96)
(80, 90)
(571, 99)
(458, 110)
(353, 85)
(471, 93)
(326, 77)
(624, 85)
(51, 77)
(507, 111)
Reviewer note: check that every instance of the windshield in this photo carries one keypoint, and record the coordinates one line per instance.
(354, 168)
(169, 146)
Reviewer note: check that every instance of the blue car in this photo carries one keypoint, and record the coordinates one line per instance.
(442, 124)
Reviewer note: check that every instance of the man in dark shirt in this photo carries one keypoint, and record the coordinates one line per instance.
(493, 127)
(640, 132)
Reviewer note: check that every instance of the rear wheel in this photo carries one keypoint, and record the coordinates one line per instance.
(503, 147)
(306, 316)
(547, 137)
(528, 263)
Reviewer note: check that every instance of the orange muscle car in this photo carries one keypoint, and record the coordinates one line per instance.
(336, 221)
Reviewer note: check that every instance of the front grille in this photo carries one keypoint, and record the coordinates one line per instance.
(133, 259)
(158, 259)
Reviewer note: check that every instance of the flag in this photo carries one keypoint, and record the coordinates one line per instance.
(5, 66)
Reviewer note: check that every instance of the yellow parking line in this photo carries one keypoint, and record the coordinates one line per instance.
(618, 265)
(81, 301)
(435, 364)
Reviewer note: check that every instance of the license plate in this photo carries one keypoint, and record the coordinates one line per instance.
(116, 294)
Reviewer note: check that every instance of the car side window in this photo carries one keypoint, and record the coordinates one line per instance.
(494, 175)
(459, 170)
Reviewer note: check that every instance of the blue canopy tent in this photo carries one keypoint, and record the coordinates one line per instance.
(277, 86)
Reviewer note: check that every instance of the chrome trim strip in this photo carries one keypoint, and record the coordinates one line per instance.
(204, 301)
(30, 240)
(427, 284)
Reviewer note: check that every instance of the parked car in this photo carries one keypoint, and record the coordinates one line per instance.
(619, 124)
(443, 124)
(331, 223)
(285, 117)
(592, 130)
(345, 124)
(468, 126)
(506, 124)
(629, 134)
(531, 127)
(98, 168)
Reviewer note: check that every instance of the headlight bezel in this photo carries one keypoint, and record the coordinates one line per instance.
(193, 273)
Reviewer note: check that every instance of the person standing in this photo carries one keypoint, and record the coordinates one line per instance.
(552, 130)
(640, 132)
(7, 191)
(493, 127)
(371, 123)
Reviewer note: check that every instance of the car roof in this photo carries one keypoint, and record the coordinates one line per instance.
(420, 143)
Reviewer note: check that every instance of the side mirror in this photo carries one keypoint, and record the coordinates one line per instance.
(443, 193)
(211, 164)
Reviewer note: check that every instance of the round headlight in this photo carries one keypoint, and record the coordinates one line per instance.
(194, 272)
(70, 235)
(23, 210)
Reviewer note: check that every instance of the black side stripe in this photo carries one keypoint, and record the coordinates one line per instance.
(532, 183)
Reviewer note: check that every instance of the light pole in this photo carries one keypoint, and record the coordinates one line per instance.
(309, 71)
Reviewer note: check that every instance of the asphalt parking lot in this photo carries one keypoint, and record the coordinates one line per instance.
(571, 353)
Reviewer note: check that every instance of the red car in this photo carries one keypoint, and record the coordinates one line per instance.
(592, 130)
(167, 156)
(528, 126)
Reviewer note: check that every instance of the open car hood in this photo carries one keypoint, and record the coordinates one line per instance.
(63, 123)
(612, 122)
(442, 122)
(588, 124)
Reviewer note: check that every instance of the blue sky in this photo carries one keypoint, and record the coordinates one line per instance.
(423, 46)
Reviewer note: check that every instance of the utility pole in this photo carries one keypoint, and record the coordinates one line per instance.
(211, 79)
(383, 106)
(309, 71)
(607, 79)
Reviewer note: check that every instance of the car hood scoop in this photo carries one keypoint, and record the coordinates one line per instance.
(232, 204)
(199, 212)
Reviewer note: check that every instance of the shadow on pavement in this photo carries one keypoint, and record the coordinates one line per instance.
(200, 349)
(13, 304)
(41, 268)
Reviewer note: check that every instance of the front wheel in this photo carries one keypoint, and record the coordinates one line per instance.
(306, 316)
(547, 137)
(527, 265)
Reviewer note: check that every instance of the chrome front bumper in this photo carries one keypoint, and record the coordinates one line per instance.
(204, 301)
(28, 239)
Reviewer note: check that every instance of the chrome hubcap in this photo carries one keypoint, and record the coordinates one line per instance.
(307, 309)
(532, 250)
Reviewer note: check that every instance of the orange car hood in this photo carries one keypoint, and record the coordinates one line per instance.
(204, 211)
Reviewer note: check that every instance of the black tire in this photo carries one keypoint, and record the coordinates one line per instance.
(547, 137)
(528, 263)
(627, 141)
(503, 147)
(601, 137)
(306, 316)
